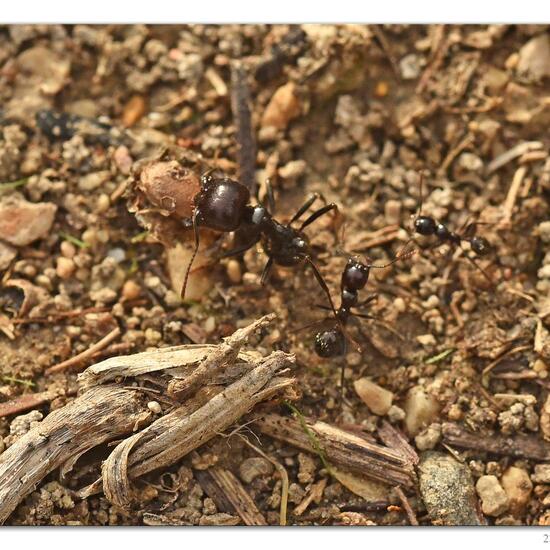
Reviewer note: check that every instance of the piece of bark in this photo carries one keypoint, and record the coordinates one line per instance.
(100, 415)
(345, 449)
(240, 107)
(25, 402)
(315, 494)
(524, 446)
(229, 495)
(396, 440)
(224, 354)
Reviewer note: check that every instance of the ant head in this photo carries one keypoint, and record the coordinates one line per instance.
(330, 343)
(480, 246)
(355, 275)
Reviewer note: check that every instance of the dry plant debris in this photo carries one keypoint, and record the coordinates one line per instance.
(104, 134)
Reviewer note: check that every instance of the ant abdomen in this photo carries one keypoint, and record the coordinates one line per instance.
(480, 246)
(221, 203)
(330, 343)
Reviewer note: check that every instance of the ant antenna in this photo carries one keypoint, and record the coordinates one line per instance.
(196, 249)
(419, 211)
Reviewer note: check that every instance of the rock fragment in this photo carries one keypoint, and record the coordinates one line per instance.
(22, 222)
(534, 59)
(518, 487)
(282, 108)
(378, 399)
(494, 501)
(421, 410)
(447, 489)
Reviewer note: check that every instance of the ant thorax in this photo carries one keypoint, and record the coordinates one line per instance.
(284, 244)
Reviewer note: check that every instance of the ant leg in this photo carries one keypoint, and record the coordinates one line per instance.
(305, 207)
(318, 213)
(477, 266)
(324, 286)
(270, 197)
(266, 271)
(235, 251)
(196, 249)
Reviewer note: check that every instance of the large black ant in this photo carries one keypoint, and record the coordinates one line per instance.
(223, 204)
(332, 343)
(428, 226)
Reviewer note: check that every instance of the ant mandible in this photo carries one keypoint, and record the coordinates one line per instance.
(222, 204)
(428, 226)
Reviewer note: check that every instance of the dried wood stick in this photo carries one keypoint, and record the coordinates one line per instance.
(525, 446)
(86, 354)
(178, 433)
(237, 496)
(395, 439)
(284, 479)
(345, 449)
(407, 506)
(25, 402)
(220, 357)
(240, 106)
(100, 415)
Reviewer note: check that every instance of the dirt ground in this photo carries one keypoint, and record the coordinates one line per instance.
(354, 112)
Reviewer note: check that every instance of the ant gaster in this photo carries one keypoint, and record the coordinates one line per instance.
(223, 204)
(332, 343)
(428, 226)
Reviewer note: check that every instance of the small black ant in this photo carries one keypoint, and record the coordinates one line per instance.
(332, 343)
(428, 226)
(223, 204)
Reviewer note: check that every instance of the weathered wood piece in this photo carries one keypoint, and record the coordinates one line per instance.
(344, 449)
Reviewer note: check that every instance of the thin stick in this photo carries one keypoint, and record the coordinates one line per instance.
(406, 505)
(507, 353)
(86, 354)
(512, 195)
(240, 106)
(284, 479)
(24, 403)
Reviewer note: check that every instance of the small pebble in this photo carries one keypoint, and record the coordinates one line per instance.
(130, 290)
(427, 340)
(421, 410)
(103, 203)
(541, 473)
(282, 107)
(209, 325)
(251, 468)
(234, 271)
(518, 488)
(154, 407)
(67, 249)
(65, 268)
(428, 438)
(378, 399)
(494, 501)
